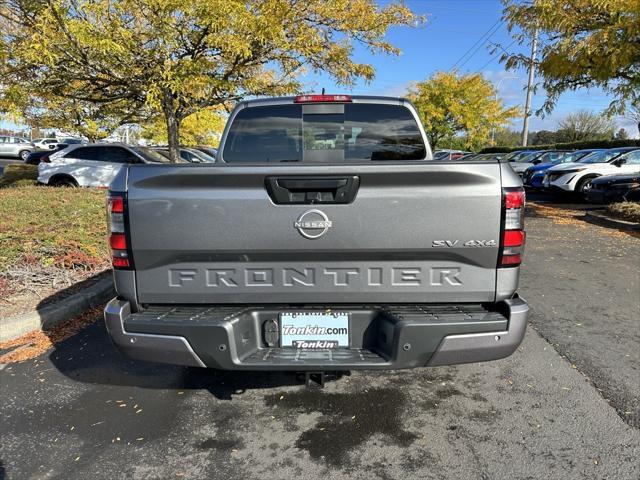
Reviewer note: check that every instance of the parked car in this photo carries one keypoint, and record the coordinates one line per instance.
(309, 260)
(15, 147)
(92, 165)
(534, 175)
(212, 152)
(517, 155)
(447, 154)
(612, 188)
(38, 156)
(536, 158)
(576, 177)
(190, 155)
(73, 141)
(484, 156)
(45, 143)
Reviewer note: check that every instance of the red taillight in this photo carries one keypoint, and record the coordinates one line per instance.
(118, 241)
(322, 98)
(45, 159)
(514, 198)
(118, 262)
(514, 237)
(511, 260)
(116, 206)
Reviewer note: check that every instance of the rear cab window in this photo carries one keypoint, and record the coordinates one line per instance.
(330, 133)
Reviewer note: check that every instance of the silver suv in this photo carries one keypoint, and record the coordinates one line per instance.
(15, 147)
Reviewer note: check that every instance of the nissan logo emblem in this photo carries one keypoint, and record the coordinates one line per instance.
(313, 224)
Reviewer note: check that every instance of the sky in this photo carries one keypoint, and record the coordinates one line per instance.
(452, 28)
(455, 28)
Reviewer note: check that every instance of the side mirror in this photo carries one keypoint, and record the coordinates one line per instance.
(536, 162)
(619, 162)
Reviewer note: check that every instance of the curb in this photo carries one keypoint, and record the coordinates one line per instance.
(598, 217)
(49, 316)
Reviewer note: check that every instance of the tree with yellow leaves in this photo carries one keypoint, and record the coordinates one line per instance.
(585, 43)
(91, 120)
(200, 128)
(182, 56)
(452, 105)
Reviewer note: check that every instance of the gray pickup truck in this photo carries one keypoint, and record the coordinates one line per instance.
(324, 238)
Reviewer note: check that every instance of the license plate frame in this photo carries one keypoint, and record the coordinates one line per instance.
(307, 330)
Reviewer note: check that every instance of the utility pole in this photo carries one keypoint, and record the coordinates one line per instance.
(527, 105)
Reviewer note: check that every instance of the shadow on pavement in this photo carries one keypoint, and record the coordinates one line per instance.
(560, 201)
(90, 357)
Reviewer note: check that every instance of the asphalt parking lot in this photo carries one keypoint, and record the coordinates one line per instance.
(565, 405)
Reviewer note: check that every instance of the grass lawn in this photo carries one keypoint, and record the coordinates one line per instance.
(62, 227)
(50, 239)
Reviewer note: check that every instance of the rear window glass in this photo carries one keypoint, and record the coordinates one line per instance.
(354, 132)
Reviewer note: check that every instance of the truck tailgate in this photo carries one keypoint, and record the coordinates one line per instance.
(413, 232)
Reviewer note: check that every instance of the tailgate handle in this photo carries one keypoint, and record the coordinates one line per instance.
(312, 190)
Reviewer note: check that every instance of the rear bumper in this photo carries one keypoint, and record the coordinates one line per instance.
(393, 337)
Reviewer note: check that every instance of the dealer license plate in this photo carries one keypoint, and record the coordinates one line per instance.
(314, 330)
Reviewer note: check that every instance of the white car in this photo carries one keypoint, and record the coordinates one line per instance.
(576, 177)
(92, 165)
(15, 147)
(536, 158)
(45, 143)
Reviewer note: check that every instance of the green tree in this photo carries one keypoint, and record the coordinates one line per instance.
(543, 137)
(505, 137)
(452, 105)
(634, 114)
(585, 43)
(622, 134)
(585, 125)
(179, 57)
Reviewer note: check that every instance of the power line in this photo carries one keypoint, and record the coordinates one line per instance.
(479, 43)
(494, 57)
(486, 42)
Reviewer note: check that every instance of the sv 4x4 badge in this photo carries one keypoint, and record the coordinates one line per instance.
(470, 243)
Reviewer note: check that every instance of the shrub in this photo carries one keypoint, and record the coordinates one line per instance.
(629, 211)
